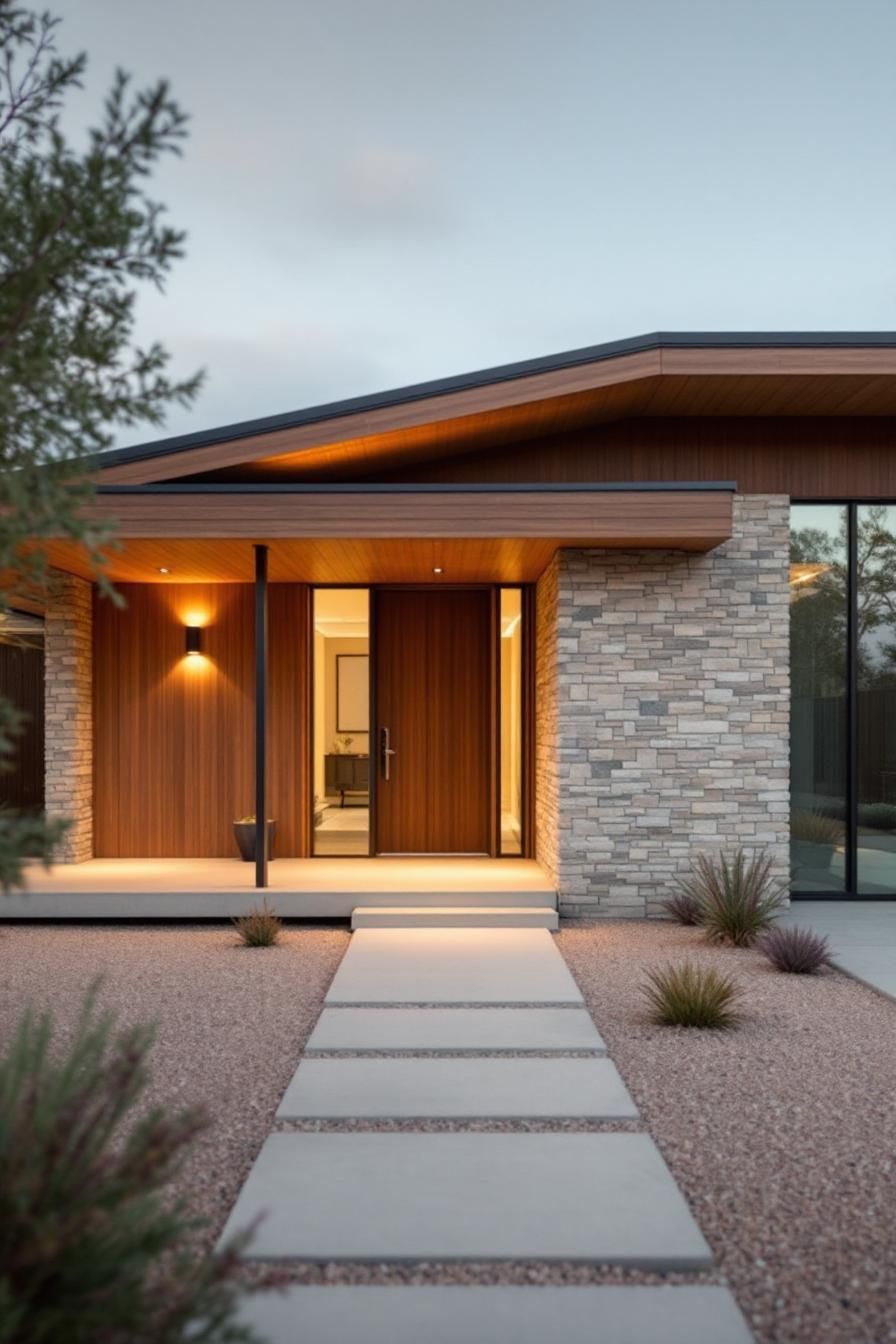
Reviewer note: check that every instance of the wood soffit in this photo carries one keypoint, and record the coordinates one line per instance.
(726, 381)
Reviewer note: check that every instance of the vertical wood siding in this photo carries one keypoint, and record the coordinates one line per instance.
(174, 734)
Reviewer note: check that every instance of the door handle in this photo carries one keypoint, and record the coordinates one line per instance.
(386, 753)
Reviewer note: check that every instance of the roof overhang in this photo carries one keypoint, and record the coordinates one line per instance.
(668, 374)
(373, 534)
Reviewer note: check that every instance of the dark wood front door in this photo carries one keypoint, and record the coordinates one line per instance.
(433, 683)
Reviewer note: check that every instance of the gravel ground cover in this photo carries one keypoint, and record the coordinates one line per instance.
(781, 1133)
(232, 1022)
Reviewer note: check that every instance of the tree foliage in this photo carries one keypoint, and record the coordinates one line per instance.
(93, 1250)
(79, 234)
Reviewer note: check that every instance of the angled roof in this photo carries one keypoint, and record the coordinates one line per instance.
(662, 373)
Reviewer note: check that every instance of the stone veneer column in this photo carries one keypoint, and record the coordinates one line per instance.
(68, 685)
(547, 747)
(664, 683)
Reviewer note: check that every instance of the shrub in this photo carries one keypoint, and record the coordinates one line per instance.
(92, 1247)
(738, 898)
(684, 907)
(879, 816)
(800, 951)
(815, 828)
(261, 927)
(692, 996)
(832, 807)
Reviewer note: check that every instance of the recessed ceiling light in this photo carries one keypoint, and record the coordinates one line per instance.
(163, 570)
(437, 569)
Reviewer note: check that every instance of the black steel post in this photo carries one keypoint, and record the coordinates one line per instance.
(261, 716)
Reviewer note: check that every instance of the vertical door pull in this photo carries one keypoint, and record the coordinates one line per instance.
(386, 752)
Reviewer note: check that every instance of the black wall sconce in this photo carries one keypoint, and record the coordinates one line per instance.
(194, 639)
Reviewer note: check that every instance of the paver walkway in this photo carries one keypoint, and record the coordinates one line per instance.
(862, 935)
(335, 1186)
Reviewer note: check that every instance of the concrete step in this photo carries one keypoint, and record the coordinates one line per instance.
(448, 1314)
(593, 1198)
(454, 917)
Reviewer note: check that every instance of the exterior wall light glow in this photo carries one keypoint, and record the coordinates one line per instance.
(194, 639)
(437, 569)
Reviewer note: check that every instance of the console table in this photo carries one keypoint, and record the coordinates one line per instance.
(346, 774)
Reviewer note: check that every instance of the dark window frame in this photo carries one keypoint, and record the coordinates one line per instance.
(850, 891)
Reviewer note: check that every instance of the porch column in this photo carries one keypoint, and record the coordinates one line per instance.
(261, 716)
(665, 683)
(68, 712)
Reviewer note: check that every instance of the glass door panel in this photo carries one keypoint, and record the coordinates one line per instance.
(341, 709)
(511, 720)
(876, 699)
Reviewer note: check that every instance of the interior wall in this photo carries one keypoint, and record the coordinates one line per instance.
(320, 720)
(332, 648)
(511, 720)
(174, 745)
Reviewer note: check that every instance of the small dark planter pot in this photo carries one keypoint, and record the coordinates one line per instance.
(244, 831)
(807, 855)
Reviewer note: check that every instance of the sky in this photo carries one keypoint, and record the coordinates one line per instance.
(378, 192)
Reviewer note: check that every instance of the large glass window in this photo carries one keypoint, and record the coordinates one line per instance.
(876, 699)
(843, 678)
(341, 721)
(819, 679)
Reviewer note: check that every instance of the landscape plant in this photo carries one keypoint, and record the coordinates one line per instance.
(815, 828)
(94, 1248)
(684, 907)
(78, 233)
(689, 995)
(797, 950)
(261, 927)
(738, 897)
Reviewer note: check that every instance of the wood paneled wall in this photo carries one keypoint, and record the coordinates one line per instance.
(810, 458)
(174, 734)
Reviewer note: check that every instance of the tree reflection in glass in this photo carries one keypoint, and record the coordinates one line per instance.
(876, 706)
(818, 668)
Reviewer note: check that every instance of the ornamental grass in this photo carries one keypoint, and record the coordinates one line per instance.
(688, 995)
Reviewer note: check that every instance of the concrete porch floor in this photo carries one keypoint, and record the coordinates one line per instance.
(212, 888)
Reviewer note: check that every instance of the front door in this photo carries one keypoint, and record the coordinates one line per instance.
(433, 724)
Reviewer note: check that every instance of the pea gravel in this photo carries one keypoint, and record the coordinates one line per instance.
(781, 1133)
(232, 1022)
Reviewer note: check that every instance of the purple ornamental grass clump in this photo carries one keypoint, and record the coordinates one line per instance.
(684, 907)
(797, 950)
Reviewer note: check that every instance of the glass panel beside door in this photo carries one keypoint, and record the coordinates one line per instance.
(341, 708)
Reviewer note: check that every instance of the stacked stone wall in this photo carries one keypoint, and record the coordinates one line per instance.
(663, 696)
(68, 711)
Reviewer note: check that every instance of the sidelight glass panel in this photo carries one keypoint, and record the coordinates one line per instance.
(511, 672)
(341, 703)
(22, 684)
(819, 682)
(876, 699)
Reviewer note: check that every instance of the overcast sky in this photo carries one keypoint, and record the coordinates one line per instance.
(382, 191)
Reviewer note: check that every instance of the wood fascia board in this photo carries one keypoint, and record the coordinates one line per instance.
(588, 517)
(821, 362)
(428, 410)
